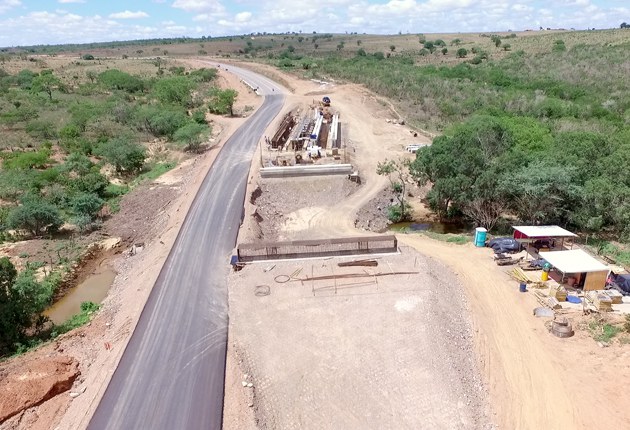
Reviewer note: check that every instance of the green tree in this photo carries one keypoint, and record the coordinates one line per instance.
(13, 320)
(462, 53)
(444, 51)
(397, 172)
(86, 204)
(117, 80)
(392, 48)
(192, 134)
(222, 101)
(176, 90)
(542, 192)
(126, 156)
(36, 216)
(46, 83)
(430, 46)
(161, 120)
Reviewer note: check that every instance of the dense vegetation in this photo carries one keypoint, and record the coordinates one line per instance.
(68, 145)
(544, 138)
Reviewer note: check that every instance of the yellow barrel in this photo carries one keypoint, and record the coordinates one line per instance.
(544, 276)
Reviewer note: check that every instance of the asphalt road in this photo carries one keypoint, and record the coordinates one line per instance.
(171, 375)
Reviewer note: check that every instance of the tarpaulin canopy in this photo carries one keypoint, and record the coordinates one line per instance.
(573, 261)
(543, 231)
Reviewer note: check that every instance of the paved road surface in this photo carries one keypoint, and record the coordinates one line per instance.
(171, 375)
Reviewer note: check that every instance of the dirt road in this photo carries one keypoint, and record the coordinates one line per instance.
(536, 381)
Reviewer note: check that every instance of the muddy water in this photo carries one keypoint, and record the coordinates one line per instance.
(93, 289)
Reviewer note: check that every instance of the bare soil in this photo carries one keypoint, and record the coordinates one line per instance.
(393, 352)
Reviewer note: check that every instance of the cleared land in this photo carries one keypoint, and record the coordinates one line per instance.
(392, 352)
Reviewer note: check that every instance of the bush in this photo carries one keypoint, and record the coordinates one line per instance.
(41, 129)
(36, 216)
(395, 214)
(203, 75)
(126, 156)
(86, 204)
(462, 52)
(117, 80)
(160, 120)
(174, 90)
(87, 57)
(27, 160)
(192, 134)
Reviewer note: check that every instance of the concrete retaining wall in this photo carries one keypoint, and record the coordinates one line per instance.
(309, 170)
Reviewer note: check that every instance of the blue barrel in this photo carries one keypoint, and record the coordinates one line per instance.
(522, 287)
(480, 236)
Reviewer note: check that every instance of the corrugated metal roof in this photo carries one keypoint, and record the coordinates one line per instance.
(573, 261)
(543, 231)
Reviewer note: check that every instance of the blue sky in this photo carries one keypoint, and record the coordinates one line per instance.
(26, 22)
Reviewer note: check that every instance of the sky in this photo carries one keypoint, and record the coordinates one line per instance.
(34, 22)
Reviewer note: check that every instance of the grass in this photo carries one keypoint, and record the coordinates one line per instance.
(82, 318)
(448, 237)
(619, 252)
(155, 171)
(602, 331)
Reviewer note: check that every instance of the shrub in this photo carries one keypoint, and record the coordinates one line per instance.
(192, 134)
(160, 120)
(117, 80)
(126, 156)
(174, 90)
(87, 57)
(41, 129)
(462, 53)
(36, 216)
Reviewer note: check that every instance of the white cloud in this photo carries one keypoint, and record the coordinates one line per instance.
(202, 17)
(8, 4)
(199, 5)
(129, 15)
(243, 17)
(71, 1)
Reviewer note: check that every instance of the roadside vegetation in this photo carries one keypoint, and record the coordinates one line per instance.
(75, 139)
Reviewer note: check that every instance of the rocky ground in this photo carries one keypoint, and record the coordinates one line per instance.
(373, 216)
(285, 205)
